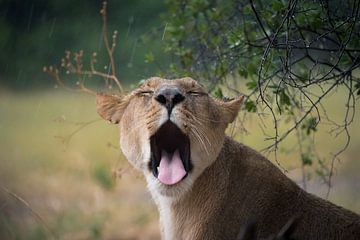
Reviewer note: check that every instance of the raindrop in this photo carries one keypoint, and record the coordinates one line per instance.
(100, 41)
(131, 21)
(133, 52)
(19, 76)
(30, 17)
(164, 31)
(38, 108)
(52, 27)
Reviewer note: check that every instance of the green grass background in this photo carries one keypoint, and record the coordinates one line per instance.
(71, 183)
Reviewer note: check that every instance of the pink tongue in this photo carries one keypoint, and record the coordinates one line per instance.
(171, 169)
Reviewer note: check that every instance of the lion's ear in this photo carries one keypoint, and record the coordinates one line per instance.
(110, 107)
(231, 108)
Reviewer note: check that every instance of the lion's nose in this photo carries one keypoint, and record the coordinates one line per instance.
(169, 97)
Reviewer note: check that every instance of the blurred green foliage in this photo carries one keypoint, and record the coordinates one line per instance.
(103, 177)
(35, 33)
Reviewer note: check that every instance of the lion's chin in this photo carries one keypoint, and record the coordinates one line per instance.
(170, 160)
(171, 191)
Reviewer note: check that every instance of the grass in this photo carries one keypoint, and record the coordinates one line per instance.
(69, 181)
(69, 184)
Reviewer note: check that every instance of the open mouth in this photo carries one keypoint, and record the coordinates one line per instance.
(170, 154)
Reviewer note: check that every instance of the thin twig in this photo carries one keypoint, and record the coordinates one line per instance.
(32, 211)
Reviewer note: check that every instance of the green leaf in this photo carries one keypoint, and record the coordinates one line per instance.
(357, 86)
(141, 82)
(251, 85)
(310, 125)
(103, 177)
(250, 106)
(252, 68)
(284, 98)
(247, 9)
(277, 5)
(306, 159)
(218, 93)
(149, 57)
(243, 72)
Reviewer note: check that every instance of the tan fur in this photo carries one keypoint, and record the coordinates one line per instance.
(230, 184)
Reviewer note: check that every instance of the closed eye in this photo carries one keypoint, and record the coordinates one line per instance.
(196, 93)
(145, 93)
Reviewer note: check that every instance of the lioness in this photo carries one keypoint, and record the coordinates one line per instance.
(206, 185)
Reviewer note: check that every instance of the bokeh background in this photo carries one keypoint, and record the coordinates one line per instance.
(62, 174)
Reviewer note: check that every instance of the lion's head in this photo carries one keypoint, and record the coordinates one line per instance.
(169, 129)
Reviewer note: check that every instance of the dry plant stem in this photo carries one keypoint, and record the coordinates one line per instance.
(110, 50)
(298, 136)
(66, 139)
(32, 211)
(334, 72)
(347, 120)
(290, 9)
(104, 75)
(75, 66)
(281, 138)
(345, 128)
(55, 74)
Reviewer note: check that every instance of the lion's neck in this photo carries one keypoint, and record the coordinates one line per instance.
(168, 230)
(183, 218)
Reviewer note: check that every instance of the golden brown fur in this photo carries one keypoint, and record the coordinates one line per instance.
(230, 183)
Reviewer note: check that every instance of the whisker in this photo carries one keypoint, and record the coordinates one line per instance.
(201, 132)
(202, 117)
(201, 140)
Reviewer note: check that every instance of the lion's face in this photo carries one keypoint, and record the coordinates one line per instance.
(170, 129)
